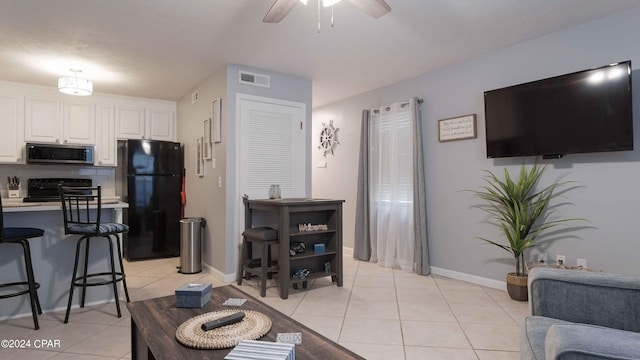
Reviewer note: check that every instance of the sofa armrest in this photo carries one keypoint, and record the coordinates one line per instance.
(576, 341)
(608, 300)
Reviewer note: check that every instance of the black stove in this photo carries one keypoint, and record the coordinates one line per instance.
(46, 189)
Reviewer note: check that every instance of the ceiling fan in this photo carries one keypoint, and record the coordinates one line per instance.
(280, 8)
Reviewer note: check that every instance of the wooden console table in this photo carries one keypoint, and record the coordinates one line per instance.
(290, 213)
(154, 323)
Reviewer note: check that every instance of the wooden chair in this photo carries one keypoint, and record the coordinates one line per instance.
(20, 236)
(82, 208)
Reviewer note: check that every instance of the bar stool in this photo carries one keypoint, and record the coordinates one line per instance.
(81, 208)
(263, 267)
(21, 237)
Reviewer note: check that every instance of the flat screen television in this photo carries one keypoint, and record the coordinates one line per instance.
(582, 112)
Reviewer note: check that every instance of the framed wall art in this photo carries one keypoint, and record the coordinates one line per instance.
(199, 158)
(216, 113)
(206, 145)
(457, 128)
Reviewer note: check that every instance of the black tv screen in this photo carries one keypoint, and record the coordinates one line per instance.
(582, 112)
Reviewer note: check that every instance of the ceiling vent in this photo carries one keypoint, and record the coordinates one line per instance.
(255, 79)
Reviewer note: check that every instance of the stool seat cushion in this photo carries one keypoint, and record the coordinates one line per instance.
(90, 229)
(261, 233)
(9, 234)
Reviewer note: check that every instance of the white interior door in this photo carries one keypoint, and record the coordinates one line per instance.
(272, 146)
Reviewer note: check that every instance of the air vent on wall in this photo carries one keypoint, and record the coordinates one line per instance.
(255, 79)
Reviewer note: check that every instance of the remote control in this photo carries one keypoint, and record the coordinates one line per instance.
(223, 321)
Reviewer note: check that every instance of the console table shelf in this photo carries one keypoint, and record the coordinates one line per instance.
(290, 214)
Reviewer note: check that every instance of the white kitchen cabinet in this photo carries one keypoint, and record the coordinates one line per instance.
(160, 125)
(42, 120)
(145, 123)
(130, 123)
(79, 123)
(12, 116)
(46, 123)
(106, 143)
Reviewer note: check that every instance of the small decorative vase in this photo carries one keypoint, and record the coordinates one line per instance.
(274, 192)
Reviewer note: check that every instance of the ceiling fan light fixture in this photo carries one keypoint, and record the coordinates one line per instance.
(327, 3)
(304, 2)
(73, 85)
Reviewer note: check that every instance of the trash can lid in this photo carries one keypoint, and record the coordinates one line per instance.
(191, 220)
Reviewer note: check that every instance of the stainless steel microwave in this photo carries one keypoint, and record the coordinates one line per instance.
(59, 154)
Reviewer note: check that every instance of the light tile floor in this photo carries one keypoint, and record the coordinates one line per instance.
(379, 313)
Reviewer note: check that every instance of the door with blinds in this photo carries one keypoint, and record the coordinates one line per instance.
(272, 146)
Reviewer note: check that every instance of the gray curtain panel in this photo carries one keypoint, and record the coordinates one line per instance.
(419, 193)
(362, 240)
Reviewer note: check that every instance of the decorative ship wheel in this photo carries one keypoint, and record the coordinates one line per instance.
(328, 138)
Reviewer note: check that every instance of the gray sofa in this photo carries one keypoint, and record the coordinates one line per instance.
(581, 315)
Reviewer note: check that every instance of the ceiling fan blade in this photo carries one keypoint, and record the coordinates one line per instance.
(375, 8)
(279, 10)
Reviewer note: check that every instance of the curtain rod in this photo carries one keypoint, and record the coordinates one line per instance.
(420, 101)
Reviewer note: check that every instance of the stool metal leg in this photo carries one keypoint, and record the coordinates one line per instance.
(73, 279)
(113, 275)
(33, 278)
(33, 295)
(86, 266)
(124, 280)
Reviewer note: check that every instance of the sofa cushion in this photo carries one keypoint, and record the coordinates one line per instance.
(580, 341)
(534, 332)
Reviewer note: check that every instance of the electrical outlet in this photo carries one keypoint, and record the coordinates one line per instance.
(542, 258)
(561, 260)
(582, 263)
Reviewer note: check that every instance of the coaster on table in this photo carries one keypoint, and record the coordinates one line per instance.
(234, 302)
(290, 338)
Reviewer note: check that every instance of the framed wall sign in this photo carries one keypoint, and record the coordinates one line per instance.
(199, 158)
(206, 145)
(457, 128)
(216, 113)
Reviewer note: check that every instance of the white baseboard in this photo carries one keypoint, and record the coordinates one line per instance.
(347, 251)
(225, 278)
(495, 284)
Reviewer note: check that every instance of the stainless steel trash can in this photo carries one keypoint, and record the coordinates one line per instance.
(191, 245)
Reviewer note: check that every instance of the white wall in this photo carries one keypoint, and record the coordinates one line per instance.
(204, 198)
(609, 181)
(221, 206)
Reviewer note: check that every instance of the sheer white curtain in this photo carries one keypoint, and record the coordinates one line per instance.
(391, 186)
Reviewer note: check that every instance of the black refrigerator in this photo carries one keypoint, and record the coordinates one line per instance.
(149, 178)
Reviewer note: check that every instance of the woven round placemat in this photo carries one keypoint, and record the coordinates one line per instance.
(254, 326)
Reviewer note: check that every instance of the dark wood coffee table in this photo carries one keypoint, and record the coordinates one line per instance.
(154, 323)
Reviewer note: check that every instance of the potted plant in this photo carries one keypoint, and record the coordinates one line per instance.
(521, 210)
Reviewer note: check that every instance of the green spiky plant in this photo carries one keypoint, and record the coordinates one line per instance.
(519, 209)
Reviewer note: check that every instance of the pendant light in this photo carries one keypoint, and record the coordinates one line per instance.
(73, 85)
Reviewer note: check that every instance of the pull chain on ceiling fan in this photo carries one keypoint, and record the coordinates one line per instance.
(280, 9)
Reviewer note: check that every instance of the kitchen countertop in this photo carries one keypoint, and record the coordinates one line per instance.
(10, 205)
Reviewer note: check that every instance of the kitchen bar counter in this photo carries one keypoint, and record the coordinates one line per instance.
(52, 256)
(19, 206)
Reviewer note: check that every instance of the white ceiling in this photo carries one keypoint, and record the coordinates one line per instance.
(163, 48)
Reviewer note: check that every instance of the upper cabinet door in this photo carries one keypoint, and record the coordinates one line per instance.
(42, 120)
(79, 125)
(160, 125)
(106, 138)
(12, 116)
(130, 123)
